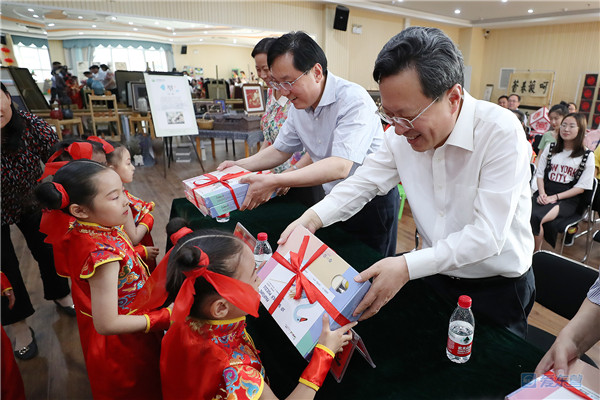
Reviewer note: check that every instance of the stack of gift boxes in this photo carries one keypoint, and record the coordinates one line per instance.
(218, 192)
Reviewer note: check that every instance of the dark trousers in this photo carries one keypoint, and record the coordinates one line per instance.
(505, 301)
(377, 223)
(55, 287)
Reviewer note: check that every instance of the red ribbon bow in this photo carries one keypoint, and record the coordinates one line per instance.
(77, 151)
(107, 147)
(222, 180)
(239, 293)
(303, 283)
(64, 198)
(179, 234)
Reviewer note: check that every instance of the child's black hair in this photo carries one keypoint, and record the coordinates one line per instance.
(77, 177)
(114, 156)
(223, 250)
(173, 226)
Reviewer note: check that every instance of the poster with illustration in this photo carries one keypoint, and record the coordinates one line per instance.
(171, 104)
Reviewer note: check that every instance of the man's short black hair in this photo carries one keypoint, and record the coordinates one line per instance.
(94, 67)
(503, 97)
(436, 59)
(305, 51)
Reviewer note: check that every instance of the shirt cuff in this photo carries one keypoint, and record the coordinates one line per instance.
(325, 208)
(421, 263)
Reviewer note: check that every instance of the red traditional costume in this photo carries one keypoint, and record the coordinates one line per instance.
(204, 359)
(124, 366)
(140, 211)
(12, 383)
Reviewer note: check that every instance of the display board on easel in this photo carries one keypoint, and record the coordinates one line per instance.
(171, 104)
(172, 109)
(534, 87)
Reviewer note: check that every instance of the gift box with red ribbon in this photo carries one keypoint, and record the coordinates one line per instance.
(304, 279)
(218, 192)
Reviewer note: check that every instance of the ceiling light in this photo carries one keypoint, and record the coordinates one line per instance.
(457, 11)
(201, 40)
(168, 27)
(81, 33)
(156, 22)
(130, 23)
(51, 24)
(170, 40)
(530, 11)
(135, 29)
(80, 17)
(234, 41)
(504, 1)
(30, 9)
(174, 33)
(205, 32)
(113, 18)
(35, 16)
(93, 26)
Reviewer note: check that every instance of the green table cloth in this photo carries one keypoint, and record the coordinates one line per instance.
(406, 339)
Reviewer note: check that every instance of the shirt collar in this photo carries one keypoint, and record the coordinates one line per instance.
(462, 134)
(329, 93)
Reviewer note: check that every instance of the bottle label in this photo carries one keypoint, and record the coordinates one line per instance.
(460, 338)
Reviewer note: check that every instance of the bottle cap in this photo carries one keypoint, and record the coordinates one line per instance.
(262, 236)
(464, 301)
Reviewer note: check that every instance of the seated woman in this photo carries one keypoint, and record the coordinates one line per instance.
(568, 171)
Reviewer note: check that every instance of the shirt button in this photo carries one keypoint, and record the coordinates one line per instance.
(316, 119)
(441, 213)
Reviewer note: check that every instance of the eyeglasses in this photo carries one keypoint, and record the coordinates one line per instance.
(403, 123)
(568, 126)
(287, 86)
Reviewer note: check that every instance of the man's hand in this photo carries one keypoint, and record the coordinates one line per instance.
(226, 164)
(389, 276)
(260, 190)
(310, 220)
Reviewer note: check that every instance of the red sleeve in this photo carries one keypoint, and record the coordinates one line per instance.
(4, 282)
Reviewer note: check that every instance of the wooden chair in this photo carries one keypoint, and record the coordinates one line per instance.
(104, 111)
(59, 123)
(140, 124)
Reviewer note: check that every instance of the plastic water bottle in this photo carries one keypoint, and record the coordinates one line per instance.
(262, 251)
(460, 332)
(223, 218)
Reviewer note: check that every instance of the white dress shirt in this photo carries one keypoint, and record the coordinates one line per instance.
(470, 197)
(344, 124)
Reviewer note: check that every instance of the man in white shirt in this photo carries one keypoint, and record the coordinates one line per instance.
(464, 164)
(335, 122)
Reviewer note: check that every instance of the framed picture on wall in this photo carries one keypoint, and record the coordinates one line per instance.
(487, 94)
(254, 102)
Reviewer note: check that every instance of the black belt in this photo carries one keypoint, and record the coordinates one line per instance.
(492, 280)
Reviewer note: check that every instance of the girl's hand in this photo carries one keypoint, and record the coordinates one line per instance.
(335, 340)
(542, 199)
(10, 295)
(152, 252)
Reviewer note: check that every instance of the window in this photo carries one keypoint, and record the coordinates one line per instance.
(134, 59)
(36, 59)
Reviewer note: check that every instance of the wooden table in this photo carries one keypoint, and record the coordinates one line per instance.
(249, 137)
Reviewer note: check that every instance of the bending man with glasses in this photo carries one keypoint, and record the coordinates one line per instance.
(464, 164)
(335, 122)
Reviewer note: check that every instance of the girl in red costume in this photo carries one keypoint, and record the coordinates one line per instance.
(140, 222)
(207, 353)
(121, 345)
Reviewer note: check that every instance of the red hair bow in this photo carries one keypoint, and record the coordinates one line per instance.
(107, 147)
(239, 293)
(179, 234)
(77, 151)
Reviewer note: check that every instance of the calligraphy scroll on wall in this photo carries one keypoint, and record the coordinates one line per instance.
(534, 87)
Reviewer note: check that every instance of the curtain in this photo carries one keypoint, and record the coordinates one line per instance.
(70, 43)
(28, 41)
